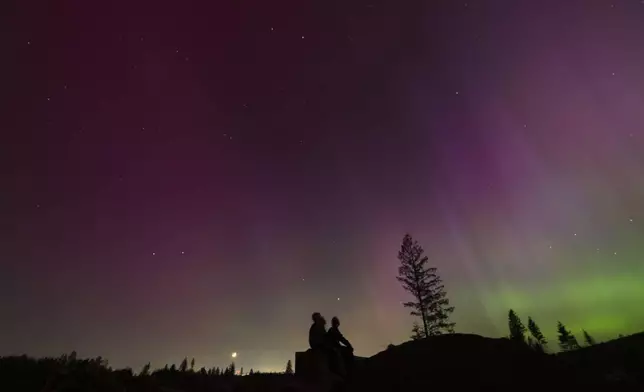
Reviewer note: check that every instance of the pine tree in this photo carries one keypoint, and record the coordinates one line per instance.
(540, 343)
(232, 369)
(567, 341)
(184, 365)
(289, 367)
(146, 370)
(590, 341)
(535, 331)
(517, 330)
(430, 299)
(173, 368)
(192, 365)
(251, 372)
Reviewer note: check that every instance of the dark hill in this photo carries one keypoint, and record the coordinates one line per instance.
(459, 360)
(621, 359)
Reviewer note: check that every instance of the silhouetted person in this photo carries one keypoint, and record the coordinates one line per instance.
(335, 336)
(319, 342)
(342, 347)
(317, 332)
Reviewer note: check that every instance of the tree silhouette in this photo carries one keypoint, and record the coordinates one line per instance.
(517, 329)
(422, 282)
(540, 341)
(289, 367)
(146, 370)
(417, 332)
(231, 369)
(590, 341)
(184, 365)
(173, 368)
(567, 341)
(241, 371)
(251, 372)
(192, 365)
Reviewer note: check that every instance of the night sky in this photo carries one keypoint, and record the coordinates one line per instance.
(196, 178)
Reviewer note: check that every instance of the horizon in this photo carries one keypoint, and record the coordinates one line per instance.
(197, 179)
(239, 368)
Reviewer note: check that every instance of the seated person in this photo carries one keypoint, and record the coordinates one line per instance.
(317, 332)
(340, 344)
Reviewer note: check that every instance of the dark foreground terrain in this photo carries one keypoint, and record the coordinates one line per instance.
(451, 361)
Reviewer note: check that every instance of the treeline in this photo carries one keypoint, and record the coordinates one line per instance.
(70, 373)
(566, 339)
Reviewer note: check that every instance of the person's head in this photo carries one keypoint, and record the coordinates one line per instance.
(318, 319)
(335, 322)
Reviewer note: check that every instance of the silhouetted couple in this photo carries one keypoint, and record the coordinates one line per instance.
(331, 344)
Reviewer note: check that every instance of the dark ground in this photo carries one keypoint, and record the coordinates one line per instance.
(451, 362)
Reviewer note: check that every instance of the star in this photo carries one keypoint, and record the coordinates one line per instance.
(338, 298)
(272, 29)
(28, 42)
(154, 254)
(302, 37)
(457, 93)
(575, 234)
(183, 253)
(550, 247)
(630, 219)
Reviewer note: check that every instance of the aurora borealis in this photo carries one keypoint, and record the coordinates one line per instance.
(196, 179)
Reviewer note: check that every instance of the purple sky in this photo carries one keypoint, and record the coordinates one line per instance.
(196, 178)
